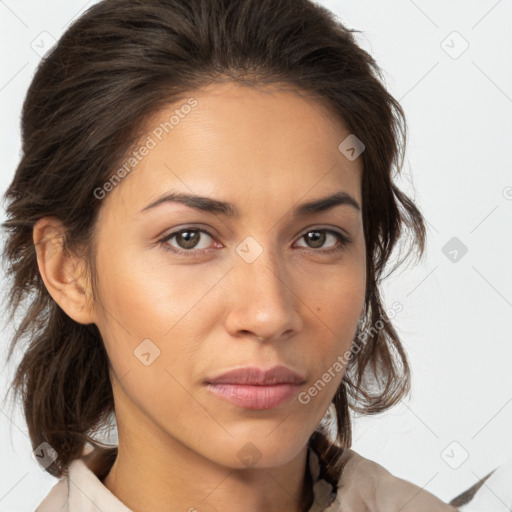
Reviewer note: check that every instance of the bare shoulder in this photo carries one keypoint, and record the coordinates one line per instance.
(366, 485)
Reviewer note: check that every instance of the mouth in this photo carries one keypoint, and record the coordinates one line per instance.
(255, 397)
(255, 388)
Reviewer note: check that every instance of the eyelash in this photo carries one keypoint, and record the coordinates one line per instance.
(342, 239)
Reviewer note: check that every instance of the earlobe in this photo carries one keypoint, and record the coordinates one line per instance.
(62, 272)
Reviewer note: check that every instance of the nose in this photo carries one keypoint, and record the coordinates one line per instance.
(263, 302)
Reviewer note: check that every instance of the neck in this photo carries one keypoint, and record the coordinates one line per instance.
(174, 479)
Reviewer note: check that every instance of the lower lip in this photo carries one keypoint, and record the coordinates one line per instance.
(255, 397)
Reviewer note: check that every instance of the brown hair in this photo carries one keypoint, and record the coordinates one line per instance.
(117, 64)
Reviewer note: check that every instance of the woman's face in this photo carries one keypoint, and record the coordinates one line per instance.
(267, 286)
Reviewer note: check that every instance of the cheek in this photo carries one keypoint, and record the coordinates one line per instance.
(337, 310)
(146, 296)
(336, 318)
(154, 318)
(336, 297)
(149, 327)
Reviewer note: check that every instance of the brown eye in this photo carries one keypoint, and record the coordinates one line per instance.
(316, 238)
(186, 239)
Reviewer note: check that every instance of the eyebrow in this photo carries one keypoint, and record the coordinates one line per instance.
(210, 205)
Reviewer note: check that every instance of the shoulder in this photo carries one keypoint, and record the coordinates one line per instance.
(367, 486)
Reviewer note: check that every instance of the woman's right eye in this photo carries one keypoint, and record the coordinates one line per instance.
(188, 238)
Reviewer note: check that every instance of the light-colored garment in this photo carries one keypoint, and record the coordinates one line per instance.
(364, 486)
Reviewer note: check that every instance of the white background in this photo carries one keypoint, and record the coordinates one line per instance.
(456, 320)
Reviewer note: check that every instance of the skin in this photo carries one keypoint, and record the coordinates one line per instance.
(266, 151)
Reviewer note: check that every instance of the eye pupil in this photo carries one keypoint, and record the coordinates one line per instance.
(190, 241)
(318, 236)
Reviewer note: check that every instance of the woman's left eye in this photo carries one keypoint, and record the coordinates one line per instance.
(187, 239)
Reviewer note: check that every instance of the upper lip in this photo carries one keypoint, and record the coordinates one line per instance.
(251, 375)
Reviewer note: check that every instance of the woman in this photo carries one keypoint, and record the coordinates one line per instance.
(178, 158)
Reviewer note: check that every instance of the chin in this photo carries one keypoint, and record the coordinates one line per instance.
(257, 451)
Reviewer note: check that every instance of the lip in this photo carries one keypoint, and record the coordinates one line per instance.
(254, 376)
(256, 388)
(255, 397)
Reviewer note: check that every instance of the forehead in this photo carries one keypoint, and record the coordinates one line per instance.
(239, 142)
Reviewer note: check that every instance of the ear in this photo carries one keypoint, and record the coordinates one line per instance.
(62, 273)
